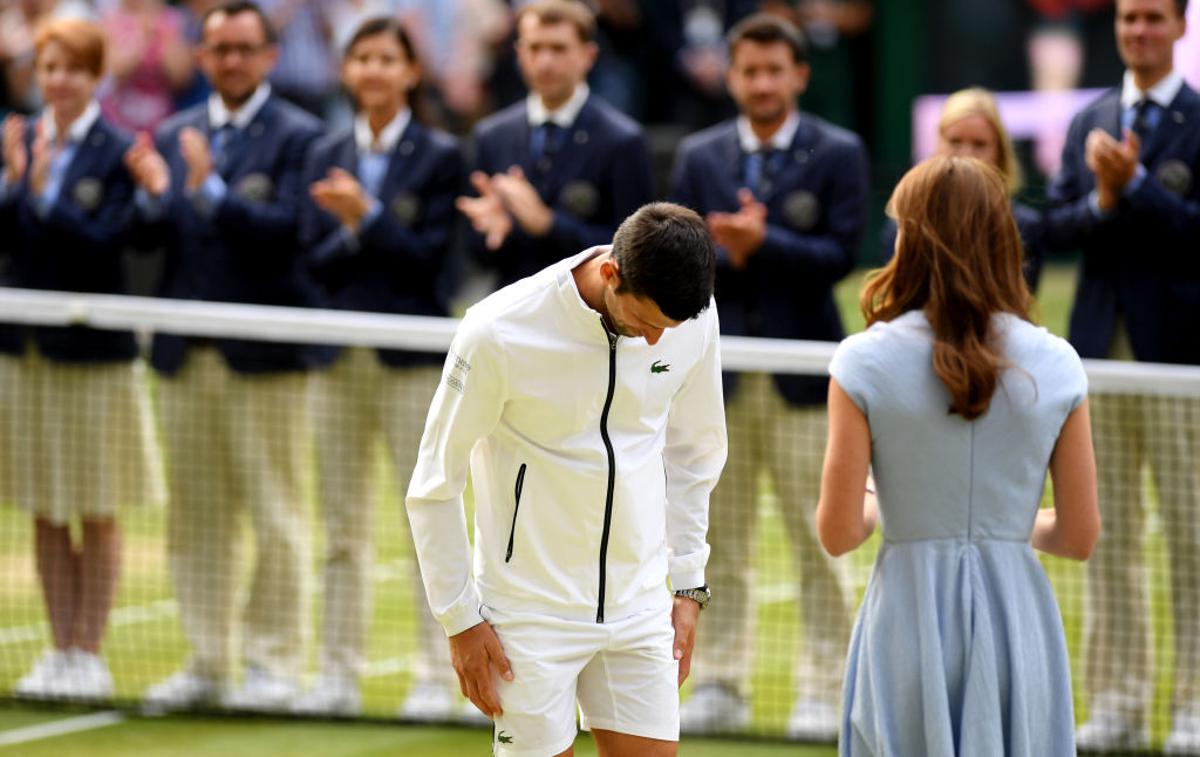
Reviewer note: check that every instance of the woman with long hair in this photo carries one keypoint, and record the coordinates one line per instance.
(970, 127)
(960, 405)
(377, 233)
(75, 431)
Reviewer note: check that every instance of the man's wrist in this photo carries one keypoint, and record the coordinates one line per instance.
(700, 595)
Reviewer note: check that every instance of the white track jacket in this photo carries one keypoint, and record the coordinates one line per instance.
(592, 459)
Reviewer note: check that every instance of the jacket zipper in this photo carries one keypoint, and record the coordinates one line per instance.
(516, 506)
(612, 466)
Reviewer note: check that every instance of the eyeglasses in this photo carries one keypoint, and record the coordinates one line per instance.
(228, 51)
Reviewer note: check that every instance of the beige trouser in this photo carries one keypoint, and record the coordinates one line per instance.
(1130, 431)
(360, 402)
(237, 444)
(788, 443)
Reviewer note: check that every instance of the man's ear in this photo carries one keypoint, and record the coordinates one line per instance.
(610, 272)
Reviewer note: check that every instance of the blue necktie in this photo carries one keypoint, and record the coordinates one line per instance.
(544, 141)
(1145, 118)
(219, 144)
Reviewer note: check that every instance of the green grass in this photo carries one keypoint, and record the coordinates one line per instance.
(145, 644)
(233, 737)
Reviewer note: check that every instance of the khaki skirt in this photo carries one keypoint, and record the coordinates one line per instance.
(76, 439)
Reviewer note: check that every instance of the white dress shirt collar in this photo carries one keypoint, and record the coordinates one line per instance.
(364, 138)
(78, 128)
(564, 115)
(1162, 94)
(780, 140)
(219, 115)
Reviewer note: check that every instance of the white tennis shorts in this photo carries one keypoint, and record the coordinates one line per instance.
(622, 673)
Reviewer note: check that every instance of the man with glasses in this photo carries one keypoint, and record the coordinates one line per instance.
(219, 190)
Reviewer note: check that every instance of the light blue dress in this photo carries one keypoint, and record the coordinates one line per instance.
(958, 648)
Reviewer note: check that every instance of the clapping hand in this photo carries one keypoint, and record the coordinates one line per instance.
(1113, 163)
(523, 201)
(341, 195)
(743, 232)
(197, 155)
(486, 212)
(16, 160)
(147, 166)
(42, 156)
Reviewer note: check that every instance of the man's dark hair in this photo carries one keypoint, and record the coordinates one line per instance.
(666, 254)
(1181, 6)
(767, 28)
(237, 7)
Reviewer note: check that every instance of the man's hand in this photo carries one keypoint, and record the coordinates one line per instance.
(1113, 163)
(193, 145)
(474, 653)
(147, 167)
(15, 158)
(486, 212)
(523, 201)
(743, 232)
(684, 615)
(340, 194)
(42, 156)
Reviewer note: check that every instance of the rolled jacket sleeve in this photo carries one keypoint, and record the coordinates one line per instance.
(465, 409)
(695, 451)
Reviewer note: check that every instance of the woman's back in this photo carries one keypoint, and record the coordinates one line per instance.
(938, 475)
(959, 648)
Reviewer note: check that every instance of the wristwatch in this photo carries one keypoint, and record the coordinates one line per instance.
(700, 595)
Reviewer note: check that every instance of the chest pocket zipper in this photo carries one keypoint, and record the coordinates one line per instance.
(516, 507)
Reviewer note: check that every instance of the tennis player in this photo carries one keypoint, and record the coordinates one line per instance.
(594, 438)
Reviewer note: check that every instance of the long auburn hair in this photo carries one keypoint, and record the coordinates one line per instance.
(958, 259)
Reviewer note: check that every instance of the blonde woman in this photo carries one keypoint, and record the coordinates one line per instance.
(970, 126)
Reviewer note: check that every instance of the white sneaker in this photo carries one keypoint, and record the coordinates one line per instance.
(813, 721)
(330, 697)
(714, 708)
(263, 692)
(1184, 737)
(1109, 730)
(428, 702)
(88, 678)
(182, 691)
(45, 679)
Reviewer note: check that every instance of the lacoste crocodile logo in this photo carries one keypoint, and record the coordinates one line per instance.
(504, 738)
(658, 367)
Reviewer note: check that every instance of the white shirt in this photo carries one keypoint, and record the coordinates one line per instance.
(522, 403)
(78, 128)
(564, 115)
(364, 138)
(219, 115)
(780, 140)
(1161, 94)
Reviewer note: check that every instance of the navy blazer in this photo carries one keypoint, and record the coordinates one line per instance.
(816, 209)
(249, 250)
(1142, 261)
(1029, 226)
(599, 176)
(400, 262)
(76, 247)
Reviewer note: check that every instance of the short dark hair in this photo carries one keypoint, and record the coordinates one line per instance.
(393, 27)
(238, 7)
(570, 12)
(768, 28)
(1181, 6)
(665, 253)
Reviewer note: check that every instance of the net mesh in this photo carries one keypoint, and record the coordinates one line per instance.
(283, 556)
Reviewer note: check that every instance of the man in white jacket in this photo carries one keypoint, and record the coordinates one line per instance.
(593, 439)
